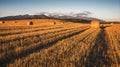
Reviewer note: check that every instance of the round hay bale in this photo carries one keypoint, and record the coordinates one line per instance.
(95, 24)
(30, 23)
(15, 21)
(2, 22)
(62, 22)
(54, 23)
(111, 23)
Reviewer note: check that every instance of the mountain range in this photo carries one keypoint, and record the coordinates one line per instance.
(75, 17)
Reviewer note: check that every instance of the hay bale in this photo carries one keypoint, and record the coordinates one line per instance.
(2, 22)
(15, 21)
(54, 23)
(95, 24)
(62, 22)
(30, 23)
(111, 23)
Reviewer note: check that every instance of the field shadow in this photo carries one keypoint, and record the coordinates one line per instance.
(36, 49)
(98, 54)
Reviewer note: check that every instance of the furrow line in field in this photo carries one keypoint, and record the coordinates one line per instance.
(52, 55)
(25, 35)
(83, 50)
(30, 49)
(25, 31)
(19, 27)
(17, 31)
(27, 41)
(114, 45)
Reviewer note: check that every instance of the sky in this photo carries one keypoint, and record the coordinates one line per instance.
(108, 10)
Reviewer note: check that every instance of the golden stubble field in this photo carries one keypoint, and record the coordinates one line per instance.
(60, 45)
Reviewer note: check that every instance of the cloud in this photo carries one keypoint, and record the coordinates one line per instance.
(85, 13)
(88, 12)
(81, 14)
(39, 13)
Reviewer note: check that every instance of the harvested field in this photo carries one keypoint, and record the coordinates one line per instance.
(29, 22)
(64, 45)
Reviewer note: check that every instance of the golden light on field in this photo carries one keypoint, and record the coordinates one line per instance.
(45, 42)
(59, 33)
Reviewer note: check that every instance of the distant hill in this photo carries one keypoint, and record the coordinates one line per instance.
(20, 17)
(73, 18)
